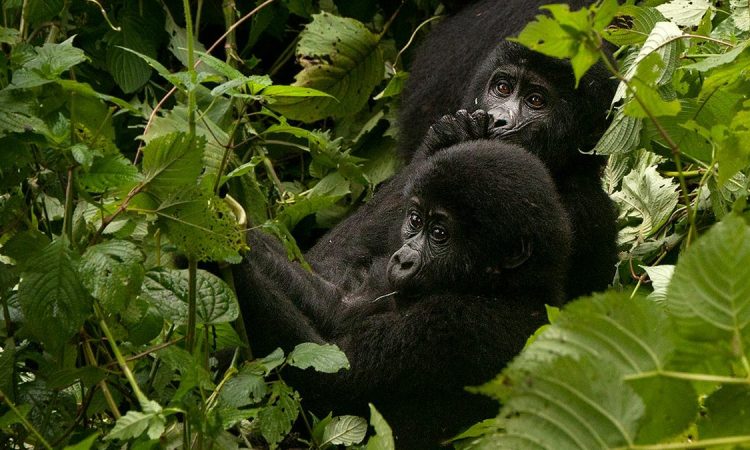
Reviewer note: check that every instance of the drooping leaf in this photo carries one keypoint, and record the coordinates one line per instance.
(51, 292)
(325, 358)
(340, 57)
(726, 413)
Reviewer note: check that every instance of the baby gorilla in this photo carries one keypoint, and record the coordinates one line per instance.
(484, 245)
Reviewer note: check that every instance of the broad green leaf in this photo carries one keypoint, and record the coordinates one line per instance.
(622, 136)
(568, 404)
(733, 145)
(726, 413)
(134, 424)
(633, 338)
(685, 13)
(167, 289)
(664, 41)
(113, 272)
(632, 25)
(648, 197)
(86, 90)
(340, 57)
(138, 35)
(109, 173)
(244, 389)
(327, 358)
(202, 225)
(344, 430)
(383, 439)
(709, 295)
(171, 162)
(50, 292)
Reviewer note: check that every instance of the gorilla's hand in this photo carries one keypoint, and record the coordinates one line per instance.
(454, 128)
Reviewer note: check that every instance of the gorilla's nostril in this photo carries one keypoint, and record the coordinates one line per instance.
(500, 123)
(406, 265)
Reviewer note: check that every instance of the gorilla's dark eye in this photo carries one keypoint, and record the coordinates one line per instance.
(415, 221)
(503, 88)
(536, 101)
(438, 234)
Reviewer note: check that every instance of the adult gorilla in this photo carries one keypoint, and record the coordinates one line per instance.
(465, 64)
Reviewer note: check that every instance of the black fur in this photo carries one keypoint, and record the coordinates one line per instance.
(451, 72)
(412, 353)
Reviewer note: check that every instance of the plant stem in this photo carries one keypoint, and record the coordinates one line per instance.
(68, 214)
(191, 67)
(89, 354)
(728, 442)
(688, 376)
(23, 420)
(118, 356)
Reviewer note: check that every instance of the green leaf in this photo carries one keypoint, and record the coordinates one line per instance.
(134, 424)
(709, 295)
(47, 65)
(109, 173)
(383, 439)
(632, 25)
(167, 289)
(202, 225)
(643, 85)
(569, 404)
(292, 91)
(622, 136)
(9, 36)
(50, 292)
(344, 430)
(244, 389)
(648, 197)
(171, 162)
(664, 41)
(726, 413)
(325, 358)
(85, 89)
(135, 38)
(113, 273)
(660, 277)
(276, 419)
(340, 57)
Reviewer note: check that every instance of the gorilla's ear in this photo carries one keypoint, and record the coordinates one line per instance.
(515, 260)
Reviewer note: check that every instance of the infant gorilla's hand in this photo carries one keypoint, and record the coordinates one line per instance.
(454, 128)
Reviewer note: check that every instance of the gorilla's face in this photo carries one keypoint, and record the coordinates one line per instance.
(519, 101)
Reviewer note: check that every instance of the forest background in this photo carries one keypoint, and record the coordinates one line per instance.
(120, 136)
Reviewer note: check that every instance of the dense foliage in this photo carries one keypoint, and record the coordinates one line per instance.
(120, 135)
